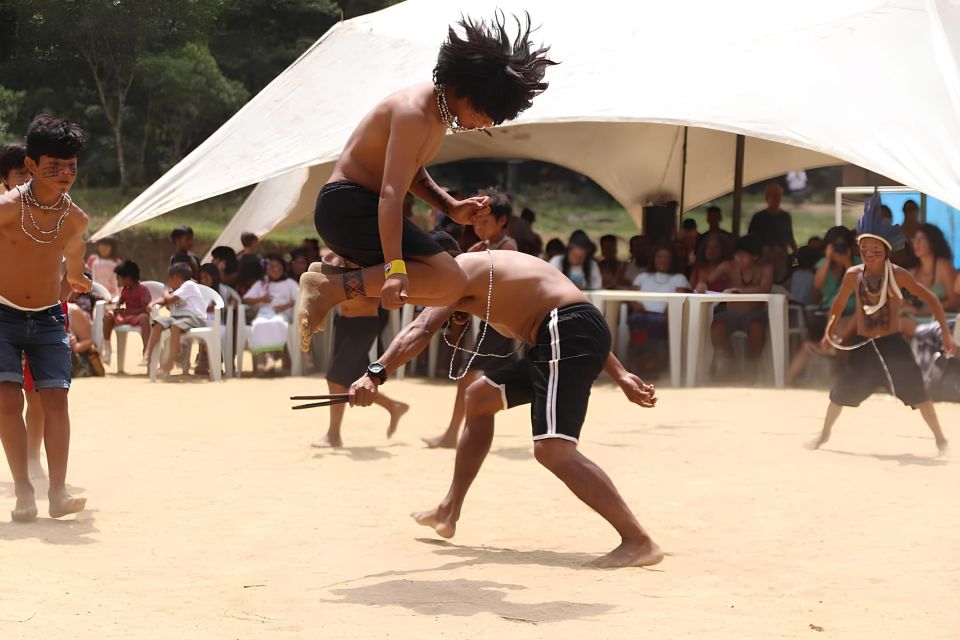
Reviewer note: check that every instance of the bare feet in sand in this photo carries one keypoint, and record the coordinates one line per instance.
(26, 509)
(63, 504)
(328, 442)
(943, 447)
(318, 294)
(444, 441)
(438, 520)
(396, 412)
(819, 441)
(630, 554)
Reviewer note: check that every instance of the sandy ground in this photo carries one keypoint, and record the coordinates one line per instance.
(211, 517)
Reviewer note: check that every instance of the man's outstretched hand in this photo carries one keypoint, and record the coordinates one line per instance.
(471, 210)
(638, 391)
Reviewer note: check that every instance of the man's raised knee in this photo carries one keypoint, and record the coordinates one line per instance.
(482, 399)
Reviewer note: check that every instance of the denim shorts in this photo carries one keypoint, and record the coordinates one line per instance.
(42, 336)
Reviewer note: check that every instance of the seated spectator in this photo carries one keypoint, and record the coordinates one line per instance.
(299, 263)
(187, 311)
(639, 262)
(274, 298)
(182, 239)
(747, 273)
(817, 244)
(311, 249)
(13, 171)
(714, 250)
(132, 310)
(521, 230)
(554, 248)
(102, 264)
(801, 280)
(611, 268)
(649, 351)
(492, 230)
(839, 255)
(226, 260)
(578, 263)
(86, 358)
(210, 277)
(774, 229)
(934, 270)
(249, 263)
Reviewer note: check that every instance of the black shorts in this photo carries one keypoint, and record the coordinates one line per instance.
(556, 376)
(346, 218)
(885, 362)
(352, 339)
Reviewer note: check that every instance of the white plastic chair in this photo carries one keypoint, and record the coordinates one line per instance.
(210, 335)
(99, 311)
(293, 342)
(230, 335)
(156, 290)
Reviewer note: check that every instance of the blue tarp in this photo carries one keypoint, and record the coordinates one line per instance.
(938, 213)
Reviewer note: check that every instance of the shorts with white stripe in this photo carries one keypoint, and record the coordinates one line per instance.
(556, 376)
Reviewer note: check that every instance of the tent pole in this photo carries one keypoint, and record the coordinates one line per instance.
(923, 208)
(683, 180)
(738, 184)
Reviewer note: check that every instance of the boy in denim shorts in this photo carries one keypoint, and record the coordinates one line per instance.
(40, 227)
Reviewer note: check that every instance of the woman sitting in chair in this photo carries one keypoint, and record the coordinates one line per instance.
(274, 297)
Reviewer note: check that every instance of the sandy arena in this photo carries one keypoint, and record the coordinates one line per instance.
(211, 517)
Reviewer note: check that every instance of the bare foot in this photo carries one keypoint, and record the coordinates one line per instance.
(328, 442)
(630, 554)
(434, 518)
(36, 470)
(943, 447)
(318, 294)
(818, 442)
(396, 412)
(26, 509)
(445, 441)
(63, 504)
(163, 371)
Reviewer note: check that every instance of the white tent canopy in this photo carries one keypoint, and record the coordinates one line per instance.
(871, 82)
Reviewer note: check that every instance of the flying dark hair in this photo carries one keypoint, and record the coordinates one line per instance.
(11, 157)
(938, 243)
(446, 242)
(501, 206)
(128, 269)
(54, 137)
(497, 77)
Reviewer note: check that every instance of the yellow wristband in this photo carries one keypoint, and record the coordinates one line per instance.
(395, 267)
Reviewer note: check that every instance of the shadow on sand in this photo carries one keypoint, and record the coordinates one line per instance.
(360, 454)
(902, 458)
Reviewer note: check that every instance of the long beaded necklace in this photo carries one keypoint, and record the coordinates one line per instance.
(483, 333)
(447, 116)
(28, 201)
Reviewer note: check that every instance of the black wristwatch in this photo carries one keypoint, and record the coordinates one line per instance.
(378, 372)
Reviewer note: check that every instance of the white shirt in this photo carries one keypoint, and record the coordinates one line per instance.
(190, 301)
(283, 292)
(797, 180)
(577, 276)
(660, 283)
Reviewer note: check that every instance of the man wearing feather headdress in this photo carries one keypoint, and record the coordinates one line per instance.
(880, 356)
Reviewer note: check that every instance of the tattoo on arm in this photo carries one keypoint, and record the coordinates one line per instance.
(353, 284)
(438, 194)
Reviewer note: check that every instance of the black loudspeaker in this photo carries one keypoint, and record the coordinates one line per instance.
(660, 222)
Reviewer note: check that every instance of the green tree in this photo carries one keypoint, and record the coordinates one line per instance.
(186, 96)
(10, 103)
(108, 38)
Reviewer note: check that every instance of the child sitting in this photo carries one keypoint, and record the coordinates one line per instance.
(133, 309)
(187, 311)
(103, 263)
